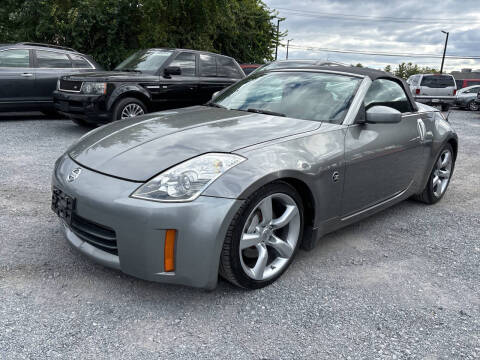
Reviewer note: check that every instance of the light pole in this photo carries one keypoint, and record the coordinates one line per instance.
(288, 43)
(444, 50)
(278, 37)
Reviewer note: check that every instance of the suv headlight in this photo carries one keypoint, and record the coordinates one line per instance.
(187, 180)
(94, 88)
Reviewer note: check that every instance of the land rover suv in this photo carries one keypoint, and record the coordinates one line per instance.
(433, 89)
(149, 80)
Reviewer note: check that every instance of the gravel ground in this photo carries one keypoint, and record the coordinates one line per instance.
(402, 284)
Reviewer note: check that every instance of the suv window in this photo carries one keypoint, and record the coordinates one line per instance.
(15, 58)
(437, 81)
(208, 65)
(387, 93)
(80, 62)
(53, 60)
(186, 62)
(226, 68)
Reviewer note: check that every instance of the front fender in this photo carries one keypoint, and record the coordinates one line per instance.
(122, 90)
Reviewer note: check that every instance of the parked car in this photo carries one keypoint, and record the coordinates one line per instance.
(29, 74)
(149, 80)
(466, 97)
(249, 68)
(433, 89)
(283, 64)
(236, 187)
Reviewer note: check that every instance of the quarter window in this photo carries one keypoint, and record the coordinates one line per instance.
(80, 62)
(186, 62)
(15, 58)
(387, 93)
(208, 65)
(226, 68)
(53, 60)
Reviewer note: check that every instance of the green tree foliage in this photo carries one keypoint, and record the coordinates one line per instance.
(405, 70)
(110, 30)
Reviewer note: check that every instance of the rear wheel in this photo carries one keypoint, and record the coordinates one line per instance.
(445, 107)
(263, 238)
(472, 106)
(439, 178)
(128, 107)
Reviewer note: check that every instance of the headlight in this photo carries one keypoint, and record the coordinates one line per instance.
(186, 181)
(95, 88)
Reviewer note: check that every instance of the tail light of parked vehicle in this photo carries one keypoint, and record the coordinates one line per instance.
(417, 91)
(454, 92)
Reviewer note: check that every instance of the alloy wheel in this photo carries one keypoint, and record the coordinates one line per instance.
(269, 237)
(131, 110)
(473, 106)
(442, 173)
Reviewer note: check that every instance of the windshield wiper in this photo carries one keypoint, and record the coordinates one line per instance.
(216, 105)
(266, 112)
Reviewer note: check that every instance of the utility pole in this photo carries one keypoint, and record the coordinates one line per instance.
(288, 43)
(444, 50)
(278, 37)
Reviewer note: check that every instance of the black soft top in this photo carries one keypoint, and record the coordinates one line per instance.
(371, 73)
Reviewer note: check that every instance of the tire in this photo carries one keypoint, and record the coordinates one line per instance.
(445, 107)
(122, 106)
(472, 106)
(276, 244)
(431, 194)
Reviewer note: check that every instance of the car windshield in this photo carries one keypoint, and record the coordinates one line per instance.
(148, 61)
(437, 81)
(302, 95)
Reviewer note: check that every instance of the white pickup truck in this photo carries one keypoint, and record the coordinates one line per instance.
(433, 89)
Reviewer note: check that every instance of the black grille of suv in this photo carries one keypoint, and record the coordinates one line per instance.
(72, 86)
(100, 236)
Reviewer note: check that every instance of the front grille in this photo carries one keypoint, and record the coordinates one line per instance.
(102, 237)
(70, 86)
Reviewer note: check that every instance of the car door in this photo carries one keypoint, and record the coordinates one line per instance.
(210, 81)
(49, 66)
(16, 77)
(382, 160)
(178, 90)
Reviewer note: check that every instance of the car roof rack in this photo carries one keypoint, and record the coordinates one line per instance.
(47, 46)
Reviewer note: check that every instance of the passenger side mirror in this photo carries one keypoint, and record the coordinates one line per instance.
(383, 115)
(214, 95)
(172, 70)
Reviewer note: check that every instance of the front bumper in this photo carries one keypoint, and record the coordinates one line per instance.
(435, 100)
(90, 108)
(140, 227)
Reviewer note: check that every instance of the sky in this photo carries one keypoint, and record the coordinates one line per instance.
(387, 26)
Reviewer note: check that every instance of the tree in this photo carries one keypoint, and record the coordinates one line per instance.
(405, 70)
(110, 30)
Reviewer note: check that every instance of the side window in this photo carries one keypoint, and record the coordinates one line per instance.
(208, 65)
(186, 62)
(387, 93)
(226, 68)
(15, 58)
(80, 62)
(53, 60)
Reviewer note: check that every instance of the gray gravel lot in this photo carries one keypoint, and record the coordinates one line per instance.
(402, 284)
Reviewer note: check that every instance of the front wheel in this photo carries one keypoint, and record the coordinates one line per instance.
(128, 107)
(263, 237)
(472, 106)
(439, 177)
(445, 107)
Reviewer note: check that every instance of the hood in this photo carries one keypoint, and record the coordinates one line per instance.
(111, 76)
(139, 148)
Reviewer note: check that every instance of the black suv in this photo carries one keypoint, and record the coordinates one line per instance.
(149, 80)
(29, 74)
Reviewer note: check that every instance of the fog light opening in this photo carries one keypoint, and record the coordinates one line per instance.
(169, 250)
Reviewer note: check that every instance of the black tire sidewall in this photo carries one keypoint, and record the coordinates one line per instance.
(278, 187)
(120, 105)
(470, 104)
(433, 199)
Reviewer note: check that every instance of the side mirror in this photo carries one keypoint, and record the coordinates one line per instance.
(383, 115)
(214, 95)
(172, 70)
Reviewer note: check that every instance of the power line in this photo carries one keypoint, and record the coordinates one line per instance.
(315, 14)
(360, 52)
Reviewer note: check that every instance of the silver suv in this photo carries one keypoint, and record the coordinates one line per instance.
(433, 89)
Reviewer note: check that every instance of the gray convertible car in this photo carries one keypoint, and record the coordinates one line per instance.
(237, 186)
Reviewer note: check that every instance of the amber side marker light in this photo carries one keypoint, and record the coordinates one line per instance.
(169, 250)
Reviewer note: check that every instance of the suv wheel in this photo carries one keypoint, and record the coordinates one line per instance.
(128, 107)
(472, 106)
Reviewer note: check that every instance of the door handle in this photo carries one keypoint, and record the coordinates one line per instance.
(421, 129)
(27, 75)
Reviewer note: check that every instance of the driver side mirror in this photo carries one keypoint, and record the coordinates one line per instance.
(172, 70)
(214, 95)
(383, 115)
